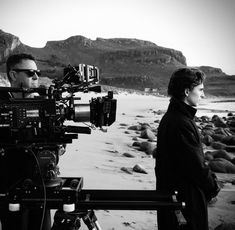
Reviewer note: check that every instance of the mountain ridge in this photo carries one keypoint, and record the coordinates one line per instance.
(124, 62)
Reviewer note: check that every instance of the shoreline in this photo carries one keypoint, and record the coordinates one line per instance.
(98, 158)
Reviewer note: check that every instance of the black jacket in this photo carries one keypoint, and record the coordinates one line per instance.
(180, 166)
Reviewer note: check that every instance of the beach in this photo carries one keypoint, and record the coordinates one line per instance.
(98, 158)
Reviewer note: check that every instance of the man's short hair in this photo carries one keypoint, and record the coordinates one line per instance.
(184, 78)
(15, 59)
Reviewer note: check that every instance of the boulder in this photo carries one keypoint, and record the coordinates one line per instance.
(207, 140)
(222, 131)
(127, 170)
(136, 143)
(148, 134)
(218, 145)
(205, 119)
(135, 127)
(221, 154)
(217, 137)
(208, 131)
(145, 126)
(219, 122)
(147, 147)
(154, 153)
(208, 156)
(230, 148)
(221, 165)
(229, 140)
(231, 123)
(140, 169)
(226, 226)
(123, 124)
(128, 155)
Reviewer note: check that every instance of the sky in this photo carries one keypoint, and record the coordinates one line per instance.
(203, 30)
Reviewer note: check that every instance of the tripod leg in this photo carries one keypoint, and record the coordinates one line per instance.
(97, 225)
(91, 220)
(66, 221)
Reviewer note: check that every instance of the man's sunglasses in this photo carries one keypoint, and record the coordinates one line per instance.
(29, 72)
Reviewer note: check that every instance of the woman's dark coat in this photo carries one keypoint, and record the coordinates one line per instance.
(180, 167)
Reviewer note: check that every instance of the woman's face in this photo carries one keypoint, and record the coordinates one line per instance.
(194, 96)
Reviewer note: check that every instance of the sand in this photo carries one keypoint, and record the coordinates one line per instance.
(98, 159)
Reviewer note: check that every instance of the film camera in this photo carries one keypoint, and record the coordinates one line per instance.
(37, 124)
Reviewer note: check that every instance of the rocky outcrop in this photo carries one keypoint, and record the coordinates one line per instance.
(8, 43)
(212, 70)
(125, 63)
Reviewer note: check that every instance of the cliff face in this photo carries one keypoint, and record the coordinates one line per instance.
(8, 43)
(128, 63)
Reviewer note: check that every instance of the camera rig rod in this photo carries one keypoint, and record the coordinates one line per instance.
(71, 192)
(71, 200)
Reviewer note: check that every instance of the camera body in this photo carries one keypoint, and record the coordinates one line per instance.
(41, 119)
(36, 125)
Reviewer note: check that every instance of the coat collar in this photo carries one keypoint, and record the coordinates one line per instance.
(177, 105)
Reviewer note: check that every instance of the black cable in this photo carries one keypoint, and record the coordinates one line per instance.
(43, 185)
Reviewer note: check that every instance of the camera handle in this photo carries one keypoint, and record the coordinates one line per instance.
(72, 220)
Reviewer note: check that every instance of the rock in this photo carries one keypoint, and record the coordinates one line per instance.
(205, 119)
(222, 166)
(233, 160)
(226, 226)
(147, 147)
(135, 127)
(208, 156)
(148, 134)
(127, 170)
(221, 154)
(135, 139)
(136, 143)
(217, 137)
(145, 126)
(229, 140)
(207, 140)
(218, 121)
(159, 112)
(208, 131)
(140, 169)
(127, 132)
(209, 125)
(218, 145)
(154, 152)
(230, 114)
(230, 148)
(128, 155)
(221, 131)
(231, 123)
(123, 124)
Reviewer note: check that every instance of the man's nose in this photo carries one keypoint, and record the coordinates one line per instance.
(35, 76)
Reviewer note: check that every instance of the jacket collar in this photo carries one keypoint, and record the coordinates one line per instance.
(177, 105)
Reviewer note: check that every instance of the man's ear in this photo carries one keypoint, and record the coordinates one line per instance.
(12, 76)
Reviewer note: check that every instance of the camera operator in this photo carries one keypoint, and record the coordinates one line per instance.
(16, 164)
